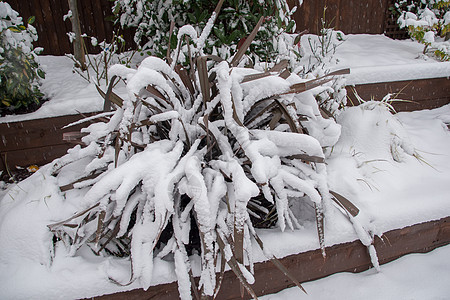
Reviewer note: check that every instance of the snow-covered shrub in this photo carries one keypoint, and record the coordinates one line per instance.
(320, 60)
(428, 22)
(19, 69)
(152, 20)
(191, 162)
(387, 141)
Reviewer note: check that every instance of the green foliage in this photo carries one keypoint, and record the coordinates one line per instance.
(19, 70)
(428, 22)
(236, 20)
(192, 161)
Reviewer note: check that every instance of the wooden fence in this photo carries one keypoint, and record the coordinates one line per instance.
(52, 29)
(349, 16)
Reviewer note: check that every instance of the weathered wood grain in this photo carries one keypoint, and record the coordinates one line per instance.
(35, 141)
(415, 94)
(310, 265)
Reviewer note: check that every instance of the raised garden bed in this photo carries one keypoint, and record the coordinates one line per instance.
(414, 94)
(40, 141)
(380, 216)
(35, 142)
(310, 265)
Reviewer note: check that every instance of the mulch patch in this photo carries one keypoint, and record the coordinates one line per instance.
(16, 175)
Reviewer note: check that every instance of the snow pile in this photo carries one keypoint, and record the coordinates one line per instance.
(172, 173)
(135, 188)
(394, 196)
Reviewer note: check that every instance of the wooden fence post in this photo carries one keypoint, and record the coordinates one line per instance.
(78, 47)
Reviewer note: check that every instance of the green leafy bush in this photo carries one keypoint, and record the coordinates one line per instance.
(152, 20)
(19, 69)
(192, 161)
(428, 22)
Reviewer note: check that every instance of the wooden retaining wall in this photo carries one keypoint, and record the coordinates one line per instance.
(34, 142)
(307, 266)
(40, 141)
(349, 16)
(417, 94)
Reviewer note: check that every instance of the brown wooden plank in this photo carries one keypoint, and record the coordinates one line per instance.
(36, 133)
(378, 17)
(94, 29)
(106, 12)
(67, 23)
(356, 15)
(345, 16)
(364, 16)
(301, 16)
(59, 11)
(420, 94)
(384, 10)
(316, 15)
(99, 20)
(85, 21)
(332, 14)
(34, 156)
(50, 22)
(41, 27)
(310, 265)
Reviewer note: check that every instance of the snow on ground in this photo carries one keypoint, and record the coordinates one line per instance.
(390, 195)
(391, 192)
(413, 277)
(371, 58)
(377, 58)
(70, 94)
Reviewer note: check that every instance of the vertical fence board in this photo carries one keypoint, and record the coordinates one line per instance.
(49, 19)
(99, 21)
(372, 17)
(347, 15)
(35, 9)
(106, 12)
(90, 27)
(383, 10)
(333, 13)
(301, 15)
(356, 16)
(364, 20)
(59, 10)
